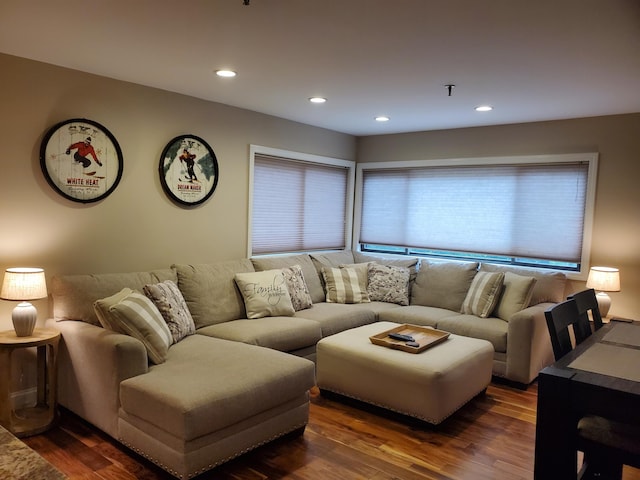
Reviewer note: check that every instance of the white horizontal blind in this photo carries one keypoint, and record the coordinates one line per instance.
(297, 205)
(524, 210)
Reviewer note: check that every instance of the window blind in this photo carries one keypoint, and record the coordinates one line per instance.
(297, 205)
(522, 210)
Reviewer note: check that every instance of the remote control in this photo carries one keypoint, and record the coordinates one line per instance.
(402, 337)
(412, 344)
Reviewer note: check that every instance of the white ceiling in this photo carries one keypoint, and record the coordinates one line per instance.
(531, 60)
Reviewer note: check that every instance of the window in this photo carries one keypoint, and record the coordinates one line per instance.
(299, 202)
(522, 210)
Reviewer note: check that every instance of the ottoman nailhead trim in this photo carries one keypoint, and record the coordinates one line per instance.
(413, 415)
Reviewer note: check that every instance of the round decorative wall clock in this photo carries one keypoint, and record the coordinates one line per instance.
(188, 170)
(81, 160)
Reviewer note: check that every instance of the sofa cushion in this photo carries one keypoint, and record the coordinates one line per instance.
(309, 271)
(516, 295)
(443, 284)
(345, 285)
(492, 329)
(298, 290)
(265, 293)
(410, 262)
(135, 315)
(168, 298)
(483, 294)
(210, 290)
(387, 283)
(330, 259)
(549, 287)
(336, 317)
(280, 333)
(415, 315)
(208, 384)
(73, 295)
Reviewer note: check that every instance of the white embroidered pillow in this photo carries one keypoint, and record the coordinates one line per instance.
(265, 293)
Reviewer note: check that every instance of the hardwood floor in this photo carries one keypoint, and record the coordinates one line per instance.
(492, 438)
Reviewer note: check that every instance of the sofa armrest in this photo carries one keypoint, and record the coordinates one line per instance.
(528, 344)
(91, 364)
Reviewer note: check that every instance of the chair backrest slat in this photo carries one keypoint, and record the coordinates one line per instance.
(587, 302)
(559, 318)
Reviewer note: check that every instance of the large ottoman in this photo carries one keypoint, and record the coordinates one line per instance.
(430, 385)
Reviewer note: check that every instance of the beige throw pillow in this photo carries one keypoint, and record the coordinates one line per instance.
(345, 285)
(134, 314)
(265, 294)
(516, 295)
(483, 294)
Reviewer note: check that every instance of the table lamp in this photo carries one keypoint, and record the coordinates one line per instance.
(604, 279)
(24, 284)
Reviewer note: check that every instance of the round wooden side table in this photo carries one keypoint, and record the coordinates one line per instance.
(36, 419)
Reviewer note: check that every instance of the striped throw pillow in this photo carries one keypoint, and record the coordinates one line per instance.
(483, 294)
(132, 313)
(345, 285)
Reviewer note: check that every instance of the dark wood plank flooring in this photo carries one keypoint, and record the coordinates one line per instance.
(492, 438)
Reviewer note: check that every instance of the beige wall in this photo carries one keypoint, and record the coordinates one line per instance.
(616, 233)
(137, 227)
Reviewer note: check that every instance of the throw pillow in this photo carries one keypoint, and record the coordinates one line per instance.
(388, 284)
(298, 290)
(483, 294)
(265, 293)
(516, 295)
(345, 285)
(134, 314)
(168, 298)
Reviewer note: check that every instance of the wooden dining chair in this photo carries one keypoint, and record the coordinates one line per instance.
(561, 319)
(607, 445)
(587, 303)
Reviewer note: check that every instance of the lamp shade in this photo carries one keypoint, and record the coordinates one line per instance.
(23, 284)
(604, 279)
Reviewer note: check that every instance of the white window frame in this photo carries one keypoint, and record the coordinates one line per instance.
(304, 157)
(591, 158)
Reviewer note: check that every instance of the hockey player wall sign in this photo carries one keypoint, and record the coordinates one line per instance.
(81, 160)
(188, 170)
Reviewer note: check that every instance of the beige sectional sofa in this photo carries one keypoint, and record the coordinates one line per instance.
(230, 383)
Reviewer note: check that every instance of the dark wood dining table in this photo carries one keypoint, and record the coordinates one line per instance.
(601, 376)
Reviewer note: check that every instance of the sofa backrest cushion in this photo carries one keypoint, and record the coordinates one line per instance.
(309, 272)
(549, 286)
(410, 262)
(73, 295)
(443, 284)
(210, 290)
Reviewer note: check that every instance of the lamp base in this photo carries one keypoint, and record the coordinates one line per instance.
(24, 318)
(604, 303)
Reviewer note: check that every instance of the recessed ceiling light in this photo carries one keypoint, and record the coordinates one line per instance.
(484, 108)
(317, 99)
(382, 118)
(226, 73)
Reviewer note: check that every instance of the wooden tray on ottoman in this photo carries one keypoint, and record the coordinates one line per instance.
(426, 337)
